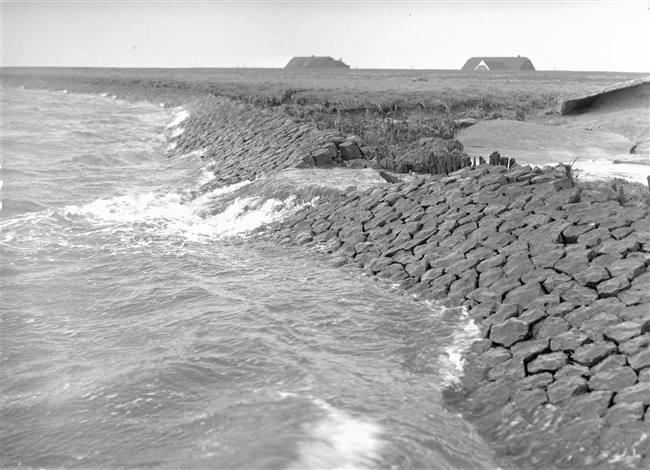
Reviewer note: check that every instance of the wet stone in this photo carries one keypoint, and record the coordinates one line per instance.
(547, 363)
(628, 268)
(552, 327)
(575, 293)
(532, 316)
(593, 404)
(509, 332)
(613, 286)
(511, 369)
(595, 325)
(535, 381)
(614, 361)
(634, 345)
(640, 360)
(504, 312)
(565, 388)
(572, 370)
(524, 295)
(591, 354)
(529, 350)
(529, 400)
(592, 275)
(622, 413)
(639, 392)
(622, 332)
(613, 380)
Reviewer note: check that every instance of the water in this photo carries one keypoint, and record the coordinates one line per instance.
(142, 328)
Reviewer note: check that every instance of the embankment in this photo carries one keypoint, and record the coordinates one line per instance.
(555, 276)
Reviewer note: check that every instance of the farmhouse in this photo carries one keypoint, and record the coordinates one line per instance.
(315, 63)
(477, 64)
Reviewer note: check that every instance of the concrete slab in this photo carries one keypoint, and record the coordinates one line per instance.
(596, 154)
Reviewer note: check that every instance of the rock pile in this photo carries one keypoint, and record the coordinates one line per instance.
(555, 277)
(239, 141)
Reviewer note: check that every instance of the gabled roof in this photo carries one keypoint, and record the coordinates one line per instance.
(498, 63)
(315, 63)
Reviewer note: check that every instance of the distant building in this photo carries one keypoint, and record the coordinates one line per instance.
(477, 64)
(315, 63)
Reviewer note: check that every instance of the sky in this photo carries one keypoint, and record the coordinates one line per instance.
(555, 35)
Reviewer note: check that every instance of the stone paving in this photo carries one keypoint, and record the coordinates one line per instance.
(556, 277)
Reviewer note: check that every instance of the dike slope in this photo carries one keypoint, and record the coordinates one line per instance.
(555, 277)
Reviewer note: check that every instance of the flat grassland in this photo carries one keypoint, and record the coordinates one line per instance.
(347, 90)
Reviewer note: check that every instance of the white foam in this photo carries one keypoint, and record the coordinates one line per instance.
(180, 116)
(452, 361)
(339, 440)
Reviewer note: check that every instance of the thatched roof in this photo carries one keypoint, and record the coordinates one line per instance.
(315, 63)
(497, 63)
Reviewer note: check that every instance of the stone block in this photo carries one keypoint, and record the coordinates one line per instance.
(622, 332)
(639, 392)
(613, 286)
(568, 387)
(524, 295)
(590, 354)
(628, 268)
(592, 275)
(529, 350)
(622, 413)
(509, 332)
(593, 404)
(552, 327)
(613, 380)
(549, 362)
(349, 150)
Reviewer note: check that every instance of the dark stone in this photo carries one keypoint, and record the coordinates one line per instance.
(495, 356)
(634, 345)
(594, 237)
(566, 388)
(614, 361)
(591, 354)
(622, 413)
(572, 265)
(613, 380)
(549, 257)
(569, 340)
(575, 293)
(613, 286)
(593, 404)
(509, 332)
(349, 150)
(572, 370)
(622, 332)
(529, 350)
(547, 362)
(639, 392)
(529, 400)
(524, 295)
(592, 275)
(544, 303)
(511, 369)
(628, 268)
(640, 359)
(598, 323)
(552, 327)
(504, 312)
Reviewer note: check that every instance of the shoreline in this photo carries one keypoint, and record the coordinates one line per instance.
(556, 278)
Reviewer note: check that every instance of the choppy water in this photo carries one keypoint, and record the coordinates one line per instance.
(141, 328)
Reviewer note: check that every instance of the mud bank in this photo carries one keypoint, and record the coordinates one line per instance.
(556, 278)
